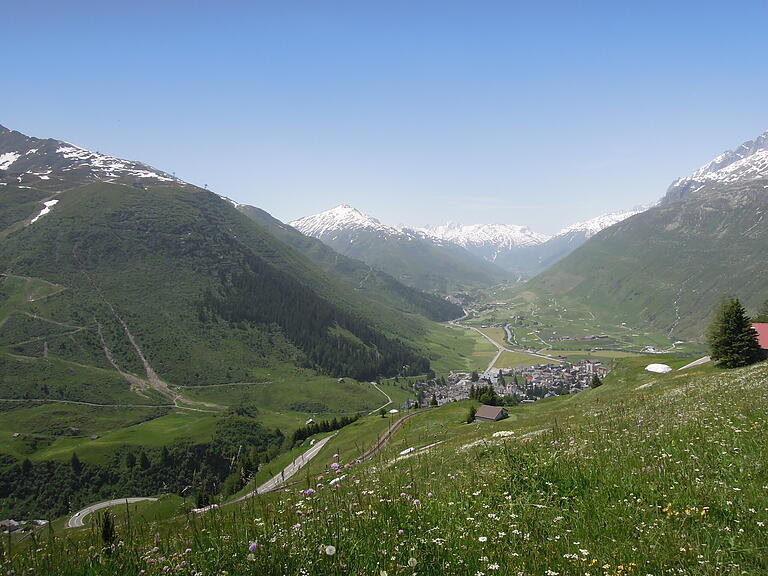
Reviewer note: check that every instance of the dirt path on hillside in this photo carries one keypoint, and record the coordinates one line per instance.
(387, 396)
(79, 403)
(153, 380)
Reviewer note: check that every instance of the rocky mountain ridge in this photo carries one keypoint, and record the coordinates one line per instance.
(747, 162)
(49, 164)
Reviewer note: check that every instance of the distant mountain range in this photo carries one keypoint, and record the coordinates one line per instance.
(667, 266)
(413, 257)
(516, 250)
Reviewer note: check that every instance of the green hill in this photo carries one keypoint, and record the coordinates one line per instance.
(667, 267)
(139, 314)
(199, 287)
(648, 474)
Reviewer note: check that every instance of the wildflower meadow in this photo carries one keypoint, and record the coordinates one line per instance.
(652, 477)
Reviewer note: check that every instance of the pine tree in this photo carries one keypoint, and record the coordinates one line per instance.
(731, 338)
(595, 381)
(471, 414)
(77, 466)
(433, 401)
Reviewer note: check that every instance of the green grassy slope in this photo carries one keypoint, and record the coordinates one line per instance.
(667, 267)
(648, 474)
(151, 257)
(115, 275)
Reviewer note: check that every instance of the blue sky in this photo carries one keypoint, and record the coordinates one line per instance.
(539, 113)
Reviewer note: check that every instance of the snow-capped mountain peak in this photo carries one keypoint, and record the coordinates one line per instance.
(27, 159)
(341, 218)
(749, 161)
(502, 236)
(594, 225)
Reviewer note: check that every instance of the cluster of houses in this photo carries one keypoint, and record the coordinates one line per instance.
(13, 526)
(523, 384)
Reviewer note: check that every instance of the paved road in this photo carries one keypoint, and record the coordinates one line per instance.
(500, 348)
(76, 521)
(278, 479)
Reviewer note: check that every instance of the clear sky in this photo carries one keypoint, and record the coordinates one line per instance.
(417, 112)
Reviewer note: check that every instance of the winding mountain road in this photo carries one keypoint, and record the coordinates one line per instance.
(500, 348)
(76, 521)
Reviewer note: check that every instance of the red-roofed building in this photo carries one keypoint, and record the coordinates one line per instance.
(762, 334)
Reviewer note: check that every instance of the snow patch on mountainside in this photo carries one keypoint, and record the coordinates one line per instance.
(7, 159)
(48, 205)
(235, 204)
(342, 218)
(109, 166)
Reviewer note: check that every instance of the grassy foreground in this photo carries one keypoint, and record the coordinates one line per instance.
(649, 474)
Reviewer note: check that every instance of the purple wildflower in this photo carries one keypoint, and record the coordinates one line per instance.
(253, 546)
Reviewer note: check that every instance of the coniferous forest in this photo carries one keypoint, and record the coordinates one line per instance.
(335, 341)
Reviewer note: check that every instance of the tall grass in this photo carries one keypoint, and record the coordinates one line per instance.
(668, 479)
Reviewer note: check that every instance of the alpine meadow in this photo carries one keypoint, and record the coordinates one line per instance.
(413, 290)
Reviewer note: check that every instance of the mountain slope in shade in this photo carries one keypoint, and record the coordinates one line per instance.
(412, 257)
(668, 266)
(355, 273)
(747, 162)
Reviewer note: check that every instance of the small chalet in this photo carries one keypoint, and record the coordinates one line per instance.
(762, 334)
(490, 413)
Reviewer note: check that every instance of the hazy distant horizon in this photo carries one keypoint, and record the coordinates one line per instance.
(416, 114)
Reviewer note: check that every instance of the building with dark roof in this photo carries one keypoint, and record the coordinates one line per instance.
(490, 413)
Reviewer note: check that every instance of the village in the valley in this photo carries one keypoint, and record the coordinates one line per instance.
(522, 384)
